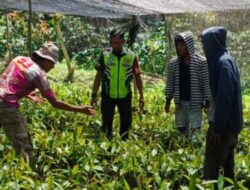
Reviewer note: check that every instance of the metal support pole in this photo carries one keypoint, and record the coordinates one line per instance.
(30, 28)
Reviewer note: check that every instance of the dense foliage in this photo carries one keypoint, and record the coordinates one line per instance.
(73, 153)
(86, 37)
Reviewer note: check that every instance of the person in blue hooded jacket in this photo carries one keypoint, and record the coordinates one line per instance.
(225, 116)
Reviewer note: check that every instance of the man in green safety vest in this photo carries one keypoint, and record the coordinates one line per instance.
(115, 70)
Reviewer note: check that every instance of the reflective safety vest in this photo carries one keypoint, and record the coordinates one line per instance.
(118, 74)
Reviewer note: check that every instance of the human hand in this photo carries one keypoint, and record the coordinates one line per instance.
(141, 103)
(88, 110)
(215, 138)
(167, 108)
(36, 99)
(93, 101)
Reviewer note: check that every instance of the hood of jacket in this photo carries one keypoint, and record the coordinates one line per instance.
(214, 46)
(189, 41)
(214, 42)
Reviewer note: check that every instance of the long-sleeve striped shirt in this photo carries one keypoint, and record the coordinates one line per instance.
(199, 80)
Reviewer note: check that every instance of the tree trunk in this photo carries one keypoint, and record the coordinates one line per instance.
(8, 40)
(132, 47)
(65, 52)
(168, 38)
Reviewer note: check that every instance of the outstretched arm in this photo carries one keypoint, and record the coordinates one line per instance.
(49, 95)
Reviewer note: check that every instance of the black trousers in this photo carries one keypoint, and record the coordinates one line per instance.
(220, 156)
(125, 111)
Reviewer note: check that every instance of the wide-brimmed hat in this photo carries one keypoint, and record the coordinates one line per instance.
(49, 51)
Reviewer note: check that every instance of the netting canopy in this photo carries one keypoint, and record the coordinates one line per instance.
(124, 8)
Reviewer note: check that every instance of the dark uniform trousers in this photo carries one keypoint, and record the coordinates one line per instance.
(125, 111)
